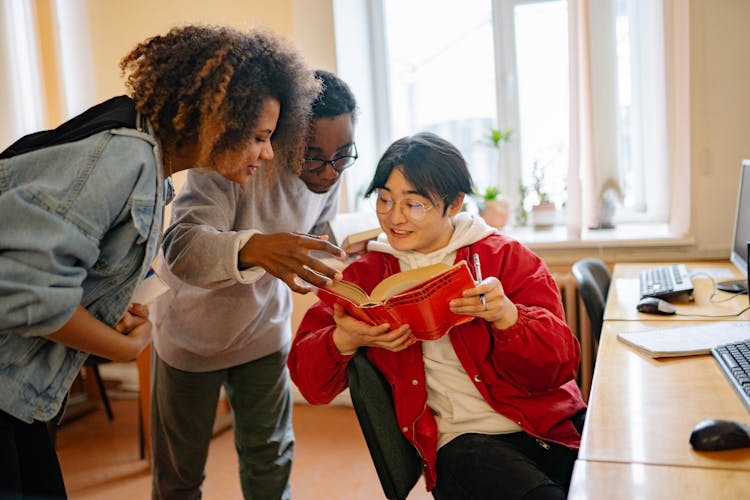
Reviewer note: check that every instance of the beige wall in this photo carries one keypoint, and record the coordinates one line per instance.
(720, 115)
(117, 26)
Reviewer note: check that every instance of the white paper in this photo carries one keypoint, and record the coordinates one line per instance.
(686, 340)
(150, 288)
(713, 272)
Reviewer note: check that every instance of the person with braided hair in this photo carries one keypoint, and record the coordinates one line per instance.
(83, 210)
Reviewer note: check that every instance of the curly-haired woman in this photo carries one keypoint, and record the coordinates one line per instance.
(82, 219)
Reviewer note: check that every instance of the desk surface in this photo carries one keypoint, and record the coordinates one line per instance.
(618, 481)
(624, 293)
(641, 410)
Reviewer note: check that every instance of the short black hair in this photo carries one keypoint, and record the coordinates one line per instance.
(335, 99)
(434, 166)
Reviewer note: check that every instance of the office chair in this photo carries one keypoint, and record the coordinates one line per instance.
(396, 461)
(593, 279)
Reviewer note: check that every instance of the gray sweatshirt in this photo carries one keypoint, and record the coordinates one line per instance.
(215, 316)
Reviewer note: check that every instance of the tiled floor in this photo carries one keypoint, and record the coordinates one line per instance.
(100, 458)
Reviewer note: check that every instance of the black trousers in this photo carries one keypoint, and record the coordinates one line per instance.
(29, 468)
(506, 466)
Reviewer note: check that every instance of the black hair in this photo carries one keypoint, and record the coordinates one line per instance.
(434, 166)
(335, 99)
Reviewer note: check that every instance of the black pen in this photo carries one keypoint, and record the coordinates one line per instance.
(478, 274)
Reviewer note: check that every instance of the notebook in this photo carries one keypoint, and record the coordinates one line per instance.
(686, 340)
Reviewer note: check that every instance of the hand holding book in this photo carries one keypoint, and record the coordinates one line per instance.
(486, 301)
(418, 297)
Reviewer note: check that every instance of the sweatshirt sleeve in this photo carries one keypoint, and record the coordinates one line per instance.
(200, 246)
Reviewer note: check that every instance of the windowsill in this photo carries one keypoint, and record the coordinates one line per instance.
(622, 236)
(624, 243)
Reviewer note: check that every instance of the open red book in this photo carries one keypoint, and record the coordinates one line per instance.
(418, 297)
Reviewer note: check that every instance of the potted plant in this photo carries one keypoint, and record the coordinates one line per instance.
(495, 136)
(543, 211)
(493, 207)
(522, 215)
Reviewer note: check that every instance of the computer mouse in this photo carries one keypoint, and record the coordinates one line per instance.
(715, 435)
(653, 305)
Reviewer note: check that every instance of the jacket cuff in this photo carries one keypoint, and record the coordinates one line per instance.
(333, 351)
(515, 330)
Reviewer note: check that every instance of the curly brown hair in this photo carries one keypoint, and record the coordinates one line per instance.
(206, 85)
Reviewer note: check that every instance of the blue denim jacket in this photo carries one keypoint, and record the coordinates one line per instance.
(79, 224)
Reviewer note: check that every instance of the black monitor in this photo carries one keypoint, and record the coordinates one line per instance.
(741, 237)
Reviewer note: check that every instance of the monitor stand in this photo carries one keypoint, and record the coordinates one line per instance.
(733, 286)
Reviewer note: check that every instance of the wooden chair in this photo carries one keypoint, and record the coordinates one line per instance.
(92, 363)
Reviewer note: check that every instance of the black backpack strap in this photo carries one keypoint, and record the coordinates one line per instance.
(117, 112)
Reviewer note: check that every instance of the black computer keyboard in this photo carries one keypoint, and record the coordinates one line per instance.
(734, 360)
(666, 282)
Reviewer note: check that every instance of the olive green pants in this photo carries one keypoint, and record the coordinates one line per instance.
(183, 410)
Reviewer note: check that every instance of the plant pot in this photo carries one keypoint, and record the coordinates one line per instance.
(543, 216)
(496, 212)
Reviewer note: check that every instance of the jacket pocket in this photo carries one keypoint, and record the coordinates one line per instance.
(142, 213)
(16, 350)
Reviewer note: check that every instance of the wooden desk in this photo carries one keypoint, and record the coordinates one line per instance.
(641, 410)
(618, 481)
(624, 293)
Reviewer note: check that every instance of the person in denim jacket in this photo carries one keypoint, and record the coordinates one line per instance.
(81, 221)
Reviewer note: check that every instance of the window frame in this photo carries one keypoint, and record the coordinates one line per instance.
(659, 207)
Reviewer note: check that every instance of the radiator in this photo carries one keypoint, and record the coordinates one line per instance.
(578, 321)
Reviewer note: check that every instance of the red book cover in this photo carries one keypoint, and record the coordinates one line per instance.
(418, 297)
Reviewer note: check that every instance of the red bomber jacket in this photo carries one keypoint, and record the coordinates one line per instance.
(525, 372)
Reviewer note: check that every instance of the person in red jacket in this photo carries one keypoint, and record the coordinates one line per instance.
(490, 407)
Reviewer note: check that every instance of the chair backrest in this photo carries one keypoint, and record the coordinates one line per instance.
(593, 279)
(396, 461)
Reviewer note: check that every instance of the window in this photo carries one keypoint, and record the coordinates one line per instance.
(46, 72)
(459, 68)
(20, 72)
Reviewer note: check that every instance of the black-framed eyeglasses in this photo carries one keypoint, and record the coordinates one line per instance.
(339, 163)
